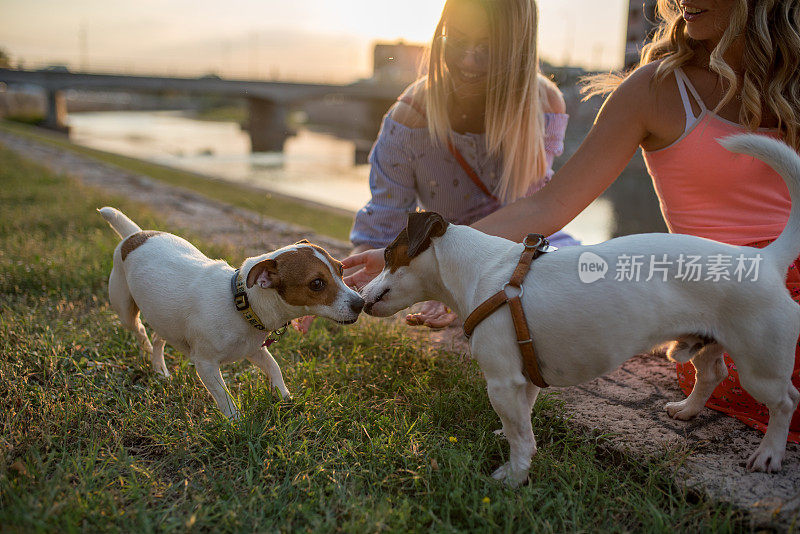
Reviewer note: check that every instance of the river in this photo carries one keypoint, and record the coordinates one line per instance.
(313, 166)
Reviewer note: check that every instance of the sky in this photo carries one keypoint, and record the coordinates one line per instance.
(309, 40)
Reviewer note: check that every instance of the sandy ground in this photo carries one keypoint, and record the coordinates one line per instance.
(627, 405)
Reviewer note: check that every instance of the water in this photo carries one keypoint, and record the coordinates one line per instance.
(313, 166)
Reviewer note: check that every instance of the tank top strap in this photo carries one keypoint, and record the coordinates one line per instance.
(684, 84)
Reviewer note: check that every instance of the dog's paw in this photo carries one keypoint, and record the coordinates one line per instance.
(509, 476)
(500, 433)
(681, 410)
(765, 460)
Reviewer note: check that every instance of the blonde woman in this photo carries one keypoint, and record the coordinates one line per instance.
(481, 130)
(714, 68)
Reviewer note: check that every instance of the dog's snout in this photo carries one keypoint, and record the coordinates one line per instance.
(368, 306)
(356, 305)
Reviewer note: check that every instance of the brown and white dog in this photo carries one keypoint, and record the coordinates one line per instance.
(583, 328)
(201, 308)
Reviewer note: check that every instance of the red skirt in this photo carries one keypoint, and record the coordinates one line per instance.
(729, 397)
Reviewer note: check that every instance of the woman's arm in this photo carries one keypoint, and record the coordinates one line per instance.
(619, 128)
(391, 178)
(392, 186)
(624, 122)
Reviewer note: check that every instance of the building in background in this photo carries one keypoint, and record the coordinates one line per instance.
(641, 23)
(397, 62)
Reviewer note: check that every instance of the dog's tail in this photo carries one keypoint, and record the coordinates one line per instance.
(786, 162)
(121, 224)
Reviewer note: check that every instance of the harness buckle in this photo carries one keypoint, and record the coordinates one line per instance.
(540, 241)
(541, 244)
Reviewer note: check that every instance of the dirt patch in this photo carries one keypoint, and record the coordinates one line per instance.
(626, 405)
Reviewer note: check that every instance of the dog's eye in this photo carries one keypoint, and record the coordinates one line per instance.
(317, 284)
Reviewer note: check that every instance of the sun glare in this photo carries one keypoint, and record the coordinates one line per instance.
(304, 39)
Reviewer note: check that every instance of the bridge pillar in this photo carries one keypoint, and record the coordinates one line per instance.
(267, 125)
(56, 113)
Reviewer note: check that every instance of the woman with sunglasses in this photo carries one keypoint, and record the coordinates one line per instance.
(480, 131)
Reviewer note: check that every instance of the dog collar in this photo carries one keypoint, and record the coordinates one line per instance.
(242, 303)
(243, 306)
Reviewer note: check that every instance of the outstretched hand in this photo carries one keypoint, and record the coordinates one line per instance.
(432, 314)
(302, 324)
(361, 268)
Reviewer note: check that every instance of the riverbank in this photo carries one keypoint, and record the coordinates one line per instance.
(601, 444)
(321, 219)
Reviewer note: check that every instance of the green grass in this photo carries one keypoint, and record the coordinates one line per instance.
(30, 119)
(227, 113)
(383, 434)
(325, 221)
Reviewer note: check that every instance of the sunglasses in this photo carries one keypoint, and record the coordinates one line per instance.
(460, 47)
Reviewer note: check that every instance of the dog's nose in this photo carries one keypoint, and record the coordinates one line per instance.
(356, 305)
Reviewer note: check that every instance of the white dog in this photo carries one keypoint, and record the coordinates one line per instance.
(585, 328)
(200, 307)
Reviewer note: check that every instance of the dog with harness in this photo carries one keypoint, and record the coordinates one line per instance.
(557, 327)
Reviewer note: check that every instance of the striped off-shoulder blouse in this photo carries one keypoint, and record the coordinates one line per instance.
(410, 171)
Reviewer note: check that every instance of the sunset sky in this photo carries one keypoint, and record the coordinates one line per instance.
(315, 40)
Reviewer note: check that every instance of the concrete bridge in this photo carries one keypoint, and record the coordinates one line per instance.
(269, 102)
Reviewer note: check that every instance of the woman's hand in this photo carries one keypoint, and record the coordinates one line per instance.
(361, 268)
(432, 314)
(302, 324)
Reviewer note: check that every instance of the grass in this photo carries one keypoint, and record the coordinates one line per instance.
(229, 113)
(382, 435)
(325, 221)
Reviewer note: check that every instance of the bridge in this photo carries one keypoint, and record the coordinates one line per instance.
(268, 101)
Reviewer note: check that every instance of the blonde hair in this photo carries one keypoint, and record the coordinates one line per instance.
(771, 77)
(514, 117)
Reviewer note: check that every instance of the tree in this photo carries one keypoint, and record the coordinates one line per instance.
(5, 59)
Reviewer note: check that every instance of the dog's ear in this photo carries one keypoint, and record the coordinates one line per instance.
(422, 227)
(263, 273)
(303, 242)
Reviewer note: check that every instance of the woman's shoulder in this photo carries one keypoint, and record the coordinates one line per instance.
(639, 89)
(650, 100)
(644, 81)
(552, 98)
(409, 110)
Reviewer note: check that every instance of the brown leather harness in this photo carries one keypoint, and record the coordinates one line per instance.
(535, 246)
(531, 252)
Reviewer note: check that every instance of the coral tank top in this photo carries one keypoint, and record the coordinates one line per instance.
(706, 191)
